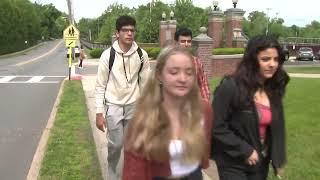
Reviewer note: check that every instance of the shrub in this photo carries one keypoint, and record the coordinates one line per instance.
(96, 52)
(227, 51)
(148, 50)
(154, 52)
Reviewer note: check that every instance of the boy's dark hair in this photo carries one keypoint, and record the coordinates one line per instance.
(125, 21)
(182, 32)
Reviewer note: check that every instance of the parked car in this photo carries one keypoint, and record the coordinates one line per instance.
(286, 52)
(305, 53)
(76, 52)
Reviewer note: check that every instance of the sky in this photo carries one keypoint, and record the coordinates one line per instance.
(291, 11)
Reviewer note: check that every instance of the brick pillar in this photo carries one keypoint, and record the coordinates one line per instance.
(202, 44)
(215, 27)
(234, 17)
(167, 30)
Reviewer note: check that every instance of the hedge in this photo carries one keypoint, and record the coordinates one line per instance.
(96, 52)
(152, 52)
(227, 51)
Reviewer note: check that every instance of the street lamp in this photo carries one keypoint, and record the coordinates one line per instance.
(234, 3)
(171, 15)
(163, 16)
(215, 5)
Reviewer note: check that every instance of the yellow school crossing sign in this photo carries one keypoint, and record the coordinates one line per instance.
(71, 33)
(70, 43)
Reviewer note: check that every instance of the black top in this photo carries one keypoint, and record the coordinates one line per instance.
(236, 129)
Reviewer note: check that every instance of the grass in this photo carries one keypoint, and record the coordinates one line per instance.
(71, 152)
(307, 70)
(302, 112)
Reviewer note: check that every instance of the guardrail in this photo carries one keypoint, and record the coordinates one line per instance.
(300, 40)
(93, 45)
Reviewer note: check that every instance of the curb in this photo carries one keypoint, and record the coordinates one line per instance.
(42, 146)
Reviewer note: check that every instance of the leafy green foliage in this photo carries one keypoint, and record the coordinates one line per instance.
(23, 24)
(105, 24)
(154, 52)
(227, 51)
(148, 20)
(188, 15)
(19, 25)
(96, 52)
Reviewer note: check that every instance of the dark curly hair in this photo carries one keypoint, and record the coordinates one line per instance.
(125, 21)
(247, 74)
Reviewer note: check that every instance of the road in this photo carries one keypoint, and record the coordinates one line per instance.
(29, 84)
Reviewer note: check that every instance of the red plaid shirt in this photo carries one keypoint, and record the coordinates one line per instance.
(202, 79)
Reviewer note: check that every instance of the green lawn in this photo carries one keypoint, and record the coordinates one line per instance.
(302, 111)
(307, 70)
(71, 152)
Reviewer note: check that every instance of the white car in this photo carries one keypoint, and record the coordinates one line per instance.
(76, 51)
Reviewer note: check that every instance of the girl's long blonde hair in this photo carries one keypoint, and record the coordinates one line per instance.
(149, 130)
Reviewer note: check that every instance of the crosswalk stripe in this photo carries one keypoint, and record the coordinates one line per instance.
(35, 79)
(25, 82)
(31, 80)
(7, 79)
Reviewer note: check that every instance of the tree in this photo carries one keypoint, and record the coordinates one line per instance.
(194, 19)
(19, 25)
(105, 24)
(51, 20)
(148, 22)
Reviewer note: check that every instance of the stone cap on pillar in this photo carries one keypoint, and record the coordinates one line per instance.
(234, 12)
(202, 37)
(216, 14)
(174, 22)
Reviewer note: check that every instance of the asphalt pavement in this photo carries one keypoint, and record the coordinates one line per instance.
(29, 84)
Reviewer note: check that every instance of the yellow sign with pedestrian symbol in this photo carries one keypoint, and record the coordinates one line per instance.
(71, 33)
(70, 43)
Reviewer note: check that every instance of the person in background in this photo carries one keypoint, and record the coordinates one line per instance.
(168, 136)
(249, 128)
(122, 73)
(82, 56)
(183, 37)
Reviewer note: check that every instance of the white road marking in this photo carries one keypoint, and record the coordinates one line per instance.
(25, 82)
(6, 79)
(31, 80)
(35, 79)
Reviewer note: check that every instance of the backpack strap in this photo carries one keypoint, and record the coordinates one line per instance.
(141, 62)
(111, 60)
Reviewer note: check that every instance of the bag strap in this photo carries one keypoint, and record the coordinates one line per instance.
(111, 61)
(141, 62)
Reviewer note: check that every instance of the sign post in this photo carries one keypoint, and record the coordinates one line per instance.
(71, 34)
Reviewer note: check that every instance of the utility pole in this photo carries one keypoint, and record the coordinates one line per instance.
(267, 29)
(71, 12)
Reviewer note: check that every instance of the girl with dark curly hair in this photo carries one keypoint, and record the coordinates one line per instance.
(249, 128)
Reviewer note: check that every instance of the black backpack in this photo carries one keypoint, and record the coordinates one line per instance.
(112, 56)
